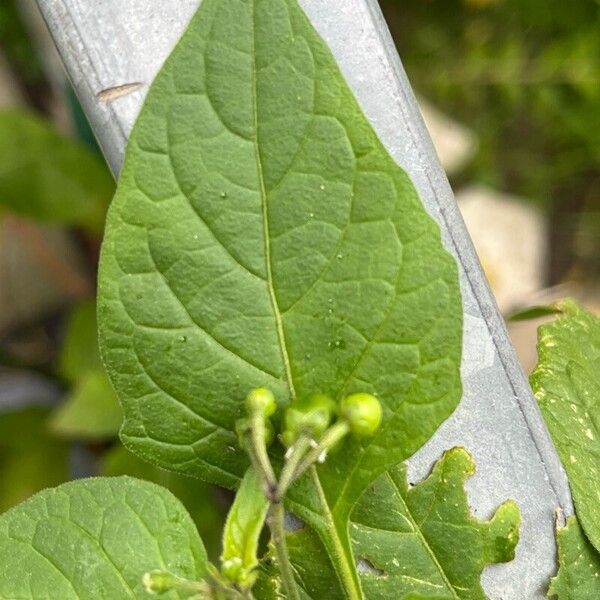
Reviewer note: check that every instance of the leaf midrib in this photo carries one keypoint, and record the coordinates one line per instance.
(343, 568)
(265, 214)
(343, 565)
(419, 534)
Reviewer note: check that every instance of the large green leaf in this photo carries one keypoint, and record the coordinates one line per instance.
(48, 177)
(262, 236)
(413, 541)
(578, 577)
(567, 385)
(95, 539)
(206, 504)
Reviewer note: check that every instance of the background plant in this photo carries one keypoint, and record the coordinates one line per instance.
(524, 75)
(566, 383)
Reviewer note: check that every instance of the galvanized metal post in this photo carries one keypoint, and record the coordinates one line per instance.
(112, 51)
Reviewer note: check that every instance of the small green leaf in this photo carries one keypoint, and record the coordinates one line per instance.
(566, 383)
(91, 411)
(415, 541)
(578, 577)
(96, 538)
(242, 531)
(534, 312)
(48, 177)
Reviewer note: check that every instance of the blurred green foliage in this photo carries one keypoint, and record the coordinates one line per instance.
(16, 45)
(525, 74)
(31, 459)
(48, 177)
(90, 410)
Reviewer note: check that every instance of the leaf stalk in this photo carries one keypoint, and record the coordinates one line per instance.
(277, 527)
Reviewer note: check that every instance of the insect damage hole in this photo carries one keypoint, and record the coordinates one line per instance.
(366, 567)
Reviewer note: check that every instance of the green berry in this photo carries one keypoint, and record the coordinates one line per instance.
(159, 582)
(242, 429)
(261, 400)
(363, 414)
(310, 416)
(232, 569)
(288, 437)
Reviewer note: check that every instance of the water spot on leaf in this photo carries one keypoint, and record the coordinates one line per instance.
(336, 344)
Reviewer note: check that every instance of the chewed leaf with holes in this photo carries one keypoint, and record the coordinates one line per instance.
(96, 538)
(261, 235)
(578, 577)
(424, 539)
(566, 383)
(417, 541)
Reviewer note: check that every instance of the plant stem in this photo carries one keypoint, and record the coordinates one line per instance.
(297, 452)
(160, 582)
(303, 455)
(276, 524)
(331, 437)
(257, 448)
(338, 547)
